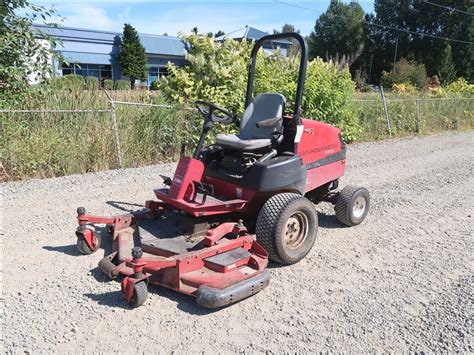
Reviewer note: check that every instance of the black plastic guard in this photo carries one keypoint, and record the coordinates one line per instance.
(211, 297)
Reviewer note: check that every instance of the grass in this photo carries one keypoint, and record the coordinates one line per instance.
(55, 144)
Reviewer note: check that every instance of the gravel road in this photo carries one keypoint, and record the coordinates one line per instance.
(401, 281)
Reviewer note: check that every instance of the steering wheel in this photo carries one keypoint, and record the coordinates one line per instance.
(214, 113)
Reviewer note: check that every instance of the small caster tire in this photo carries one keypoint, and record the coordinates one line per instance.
(140, 294)
(82, 246)
(352, 205)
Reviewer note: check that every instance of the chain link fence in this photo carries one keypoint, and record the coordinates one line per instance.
(120, 133)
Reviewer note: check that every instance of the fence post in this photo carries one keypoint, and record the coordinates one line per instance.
(456, 114)
(418, 119)
(115, 128)
(385, 109)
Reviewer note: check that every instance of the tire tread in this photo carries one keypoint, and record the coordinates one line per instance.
(267, 221)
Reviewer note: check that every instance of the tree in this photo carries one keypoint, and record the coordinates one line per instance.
(339, 33)
(219, 33)
(386, 44)
(287, 28)
(463, 54)
(132, 56)
(26, 54)
(447, 71)
(294, 49)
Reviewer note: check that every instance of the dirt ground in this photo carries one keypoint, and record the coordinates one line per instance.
(401, 281)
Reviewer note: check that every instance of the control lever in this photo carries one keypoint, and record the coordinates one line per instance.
(269, 155)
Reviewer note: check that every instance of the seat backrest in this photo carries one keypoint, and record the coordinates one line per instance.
(263, 107)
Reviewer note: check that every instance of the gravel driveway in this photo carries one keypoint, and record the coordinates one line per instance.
(401, 281)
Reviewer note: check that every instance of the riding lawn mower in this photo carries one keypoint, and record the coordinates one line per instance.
(234, 205)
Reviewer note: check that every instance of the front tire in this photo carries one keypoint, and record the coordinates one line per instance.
(352, 205)
(82, 246)
(286, 227)
(140, 294)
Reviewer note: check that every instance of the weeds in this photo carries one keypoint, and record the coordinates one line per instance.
(55, 144)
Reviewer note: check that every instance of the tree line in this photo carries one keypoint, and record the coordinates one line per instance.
(438, 34)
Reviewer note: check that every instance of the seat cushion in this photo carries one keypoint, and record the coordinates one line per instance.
(234, 142)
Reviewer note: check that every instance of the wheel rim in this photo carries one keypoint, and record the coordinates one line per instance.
(296, 230)
(358, 208)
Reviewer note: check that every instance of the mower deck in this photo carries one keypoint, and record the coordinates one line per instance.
(218, 266)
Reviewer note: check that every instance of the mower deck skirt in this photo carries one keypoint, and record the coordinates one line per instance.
(211, 297)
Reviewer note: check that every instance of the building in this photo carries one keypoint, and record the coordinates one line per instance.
(252, 34)
(95, 53)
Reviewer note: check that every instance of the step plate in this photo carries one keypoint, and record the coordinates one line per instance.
(228, 258)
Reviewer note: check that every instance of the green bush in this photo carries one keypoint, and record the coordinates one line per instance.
(155, 85)
(92, 83)
(460, 87)
(217, 72)
(108, 84)
(122, 85)
(68, 82)
(404, 89)
(405, 72)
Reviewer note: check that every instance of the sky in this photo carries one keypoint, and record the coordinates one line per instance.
(172, 17)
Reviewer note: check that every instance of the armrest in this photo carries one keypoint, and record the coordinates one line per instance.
(270, 122)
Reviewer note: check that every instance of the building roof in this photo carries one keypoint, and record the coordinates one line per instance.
(249, 33)
(154, 44)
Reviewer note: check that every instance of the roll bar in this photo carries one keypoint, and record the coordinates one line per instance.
(301, 73)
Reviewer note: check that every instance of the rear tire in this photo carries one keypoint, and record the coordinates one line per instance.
(286, 227)
(352, 205)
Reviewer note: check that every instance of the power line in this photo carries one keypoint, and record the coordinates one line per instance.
(451, 9)
(378, 25)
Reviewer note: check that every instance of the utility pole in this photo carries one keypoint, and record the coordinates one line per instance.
(395, 56)
(370, 68)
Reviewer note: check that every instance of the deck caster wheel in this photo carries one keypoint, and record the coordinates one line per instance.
(286, 227)
(352, 205)
(139, 296)
(82, 245)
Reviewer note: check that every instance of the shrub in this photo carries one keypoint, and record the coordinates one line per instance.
(68, 82)
(406, 72)
(460, 87)
(217, 72)
(438, 92)
(404, 89)
(155, 85)
(122, 85)
(108, 84)
(92, 83)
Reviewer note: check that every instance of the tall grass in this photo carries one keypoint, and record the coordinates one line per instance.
(431, 115)
(55, 144)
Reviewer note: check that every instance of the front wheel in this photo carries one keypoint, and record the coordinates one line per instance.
(352, 205)
(82, 245)
(140, 294)
(286, 227)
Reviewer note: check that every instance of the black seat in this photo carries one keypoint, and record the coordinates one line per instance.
(251, 138)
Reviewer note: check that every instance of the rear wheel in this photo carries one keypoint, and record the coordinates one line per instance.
(286, 227)
(352, 205)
